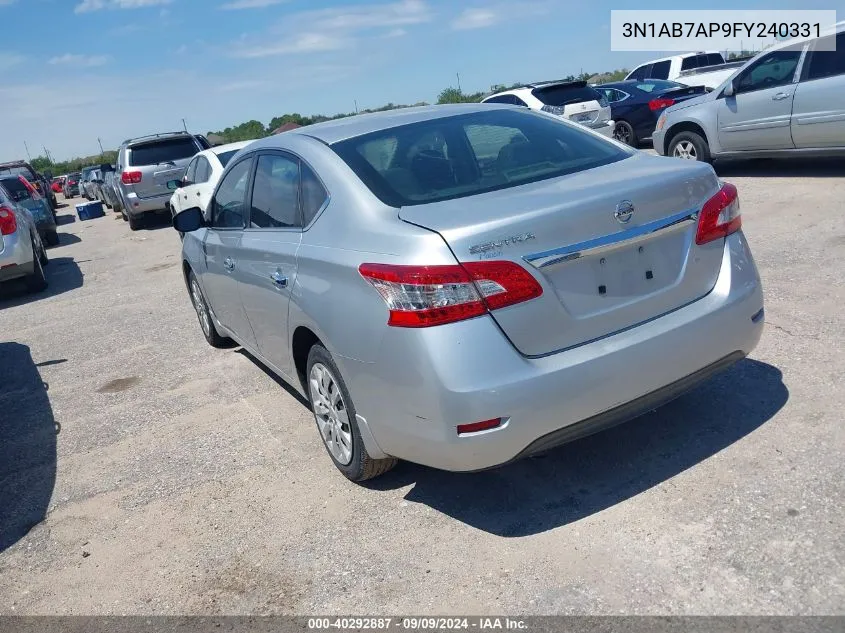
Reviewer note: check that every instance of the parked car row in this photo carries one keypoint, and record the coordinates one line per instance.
(22, 223)
(41, 182)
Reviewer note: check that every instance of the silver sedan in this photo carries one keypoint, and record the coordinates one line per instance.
(461, 286)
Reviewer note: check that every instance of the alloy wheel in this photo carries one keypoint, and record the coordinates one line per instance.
(686, 150)
(200, 307)
(331, 413)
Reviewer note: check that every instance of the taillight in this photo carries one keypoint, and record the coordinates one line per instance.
(422, 296)
(131, 177)
(8, 221)
(719, 216)
(659, 104)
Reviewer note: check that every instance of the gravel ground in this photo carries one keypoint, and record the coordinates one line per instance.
(143, 472)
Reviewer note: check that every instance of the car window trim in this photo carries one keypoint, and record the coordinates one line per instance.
(247, 189)
(284, 154)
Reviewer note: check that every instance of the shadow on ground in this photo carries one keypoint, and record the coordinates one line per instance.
(63, 274)
(587, 476)
(156, 221)
(782, 168)
(66, 239)
(293, 392)
(67, 218)
(27, 445)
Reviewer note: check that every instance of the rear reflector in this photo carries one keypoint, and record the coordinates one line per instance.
(422, 296)
(131, 177)
(659, 104)
(475, 427)
(719, 216)
(8, 221)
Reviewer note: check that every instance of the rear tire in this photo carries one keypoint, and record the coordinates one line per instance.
(135, 223)
(52, 238)
(334, 415)
(209, 331)
(689, 146)
(37, 281)
(624, 133)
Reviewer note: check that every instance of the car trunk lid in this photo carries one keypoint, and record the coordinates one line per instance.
(602, 270)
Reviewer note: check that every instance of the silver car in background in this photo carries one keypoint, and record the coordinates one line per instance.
(22, 253)
(461, 286)
(787, 101)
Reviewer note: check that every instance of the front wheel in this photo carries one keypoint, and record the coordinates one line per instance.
(204, 315)
(334, 414)
(689, 146)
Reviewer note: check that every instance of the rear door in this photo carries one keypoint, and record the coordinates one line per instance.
(818, 112)
(758, 115)
(159, 161)
(268, 253)
(220, 247)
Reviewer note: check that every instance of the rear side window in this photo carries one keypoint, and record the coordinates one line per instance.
(162, 151)
(689, 63)
(660, 70)
(225, 157)
(714, 59)
(828, 63)
(313, 194)
(227, 207)
(562, 95)
(640, 73)
(469, 154)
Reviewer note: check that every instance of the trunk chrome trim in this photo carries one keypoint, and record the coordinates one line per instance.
(606, 243)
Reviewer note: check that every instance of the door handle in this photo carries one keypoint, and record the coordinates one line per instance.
(229, 264)
(279, 279)
(781, 96)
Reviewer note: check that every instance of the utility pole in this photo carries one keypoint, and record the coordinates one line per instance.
(27, 151)
(356, 106)
(102, 153)
(184, 125)
(47, 154)
(458, 75)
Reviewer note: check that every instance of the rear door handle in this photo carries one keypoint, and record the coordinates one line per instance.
(279, 279)
(781, 96)
(229, 264)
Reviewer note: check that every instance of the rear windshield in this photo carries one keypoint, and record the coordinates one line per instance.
(469, 154)
(162, 151)
(16, 171)
(658, 85)
(562, 95)
(225, 157)
(16, 188)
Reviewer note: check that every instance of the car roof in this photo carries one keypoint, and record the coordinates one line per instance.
(349, 127)
(17, 163)
(154, 137)
(228, 147)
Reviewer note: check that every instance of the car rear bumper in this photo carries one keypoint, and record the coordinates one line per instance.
(136, 206)
(425, 382)
(15, 257)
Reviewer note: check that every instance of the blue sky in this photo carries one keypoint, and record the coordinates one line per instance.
(76, 70)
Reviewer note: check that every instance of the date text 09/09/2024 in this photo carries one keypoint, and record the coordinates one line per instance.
(417, 623)
(760, 30)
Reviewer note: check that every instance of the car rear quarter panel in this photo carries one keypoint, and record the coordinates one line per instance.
(329, 296)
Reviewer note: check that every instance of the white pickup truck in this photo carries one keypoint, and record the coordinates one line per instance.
(703, 68)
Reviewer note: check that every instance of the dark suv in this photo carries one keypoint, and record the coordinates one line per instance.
(42, 184)
(145, 166)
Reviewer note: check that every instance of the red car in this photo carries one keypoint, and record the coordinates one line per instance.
(56, 185)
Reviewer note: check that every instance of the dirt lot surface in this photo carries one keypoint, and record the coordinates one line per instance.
(142, 471)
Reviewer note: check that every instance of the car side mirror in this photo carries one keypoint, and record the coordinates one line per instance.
(189, 220)
(173, 185)
(730, 89)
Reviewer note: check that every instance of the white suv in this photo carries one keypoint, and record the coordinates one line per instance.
(572, 100)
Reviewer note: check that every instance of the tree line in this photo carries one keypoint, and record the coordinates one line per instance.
(256, 129)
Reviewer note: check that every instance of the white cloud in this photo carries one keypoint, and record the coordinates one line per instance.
(333, 29)
(250, 4)
(9, 60)
(6, 3)
(305, 43)
(86, 6)
(476, 19)
(79, 60)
